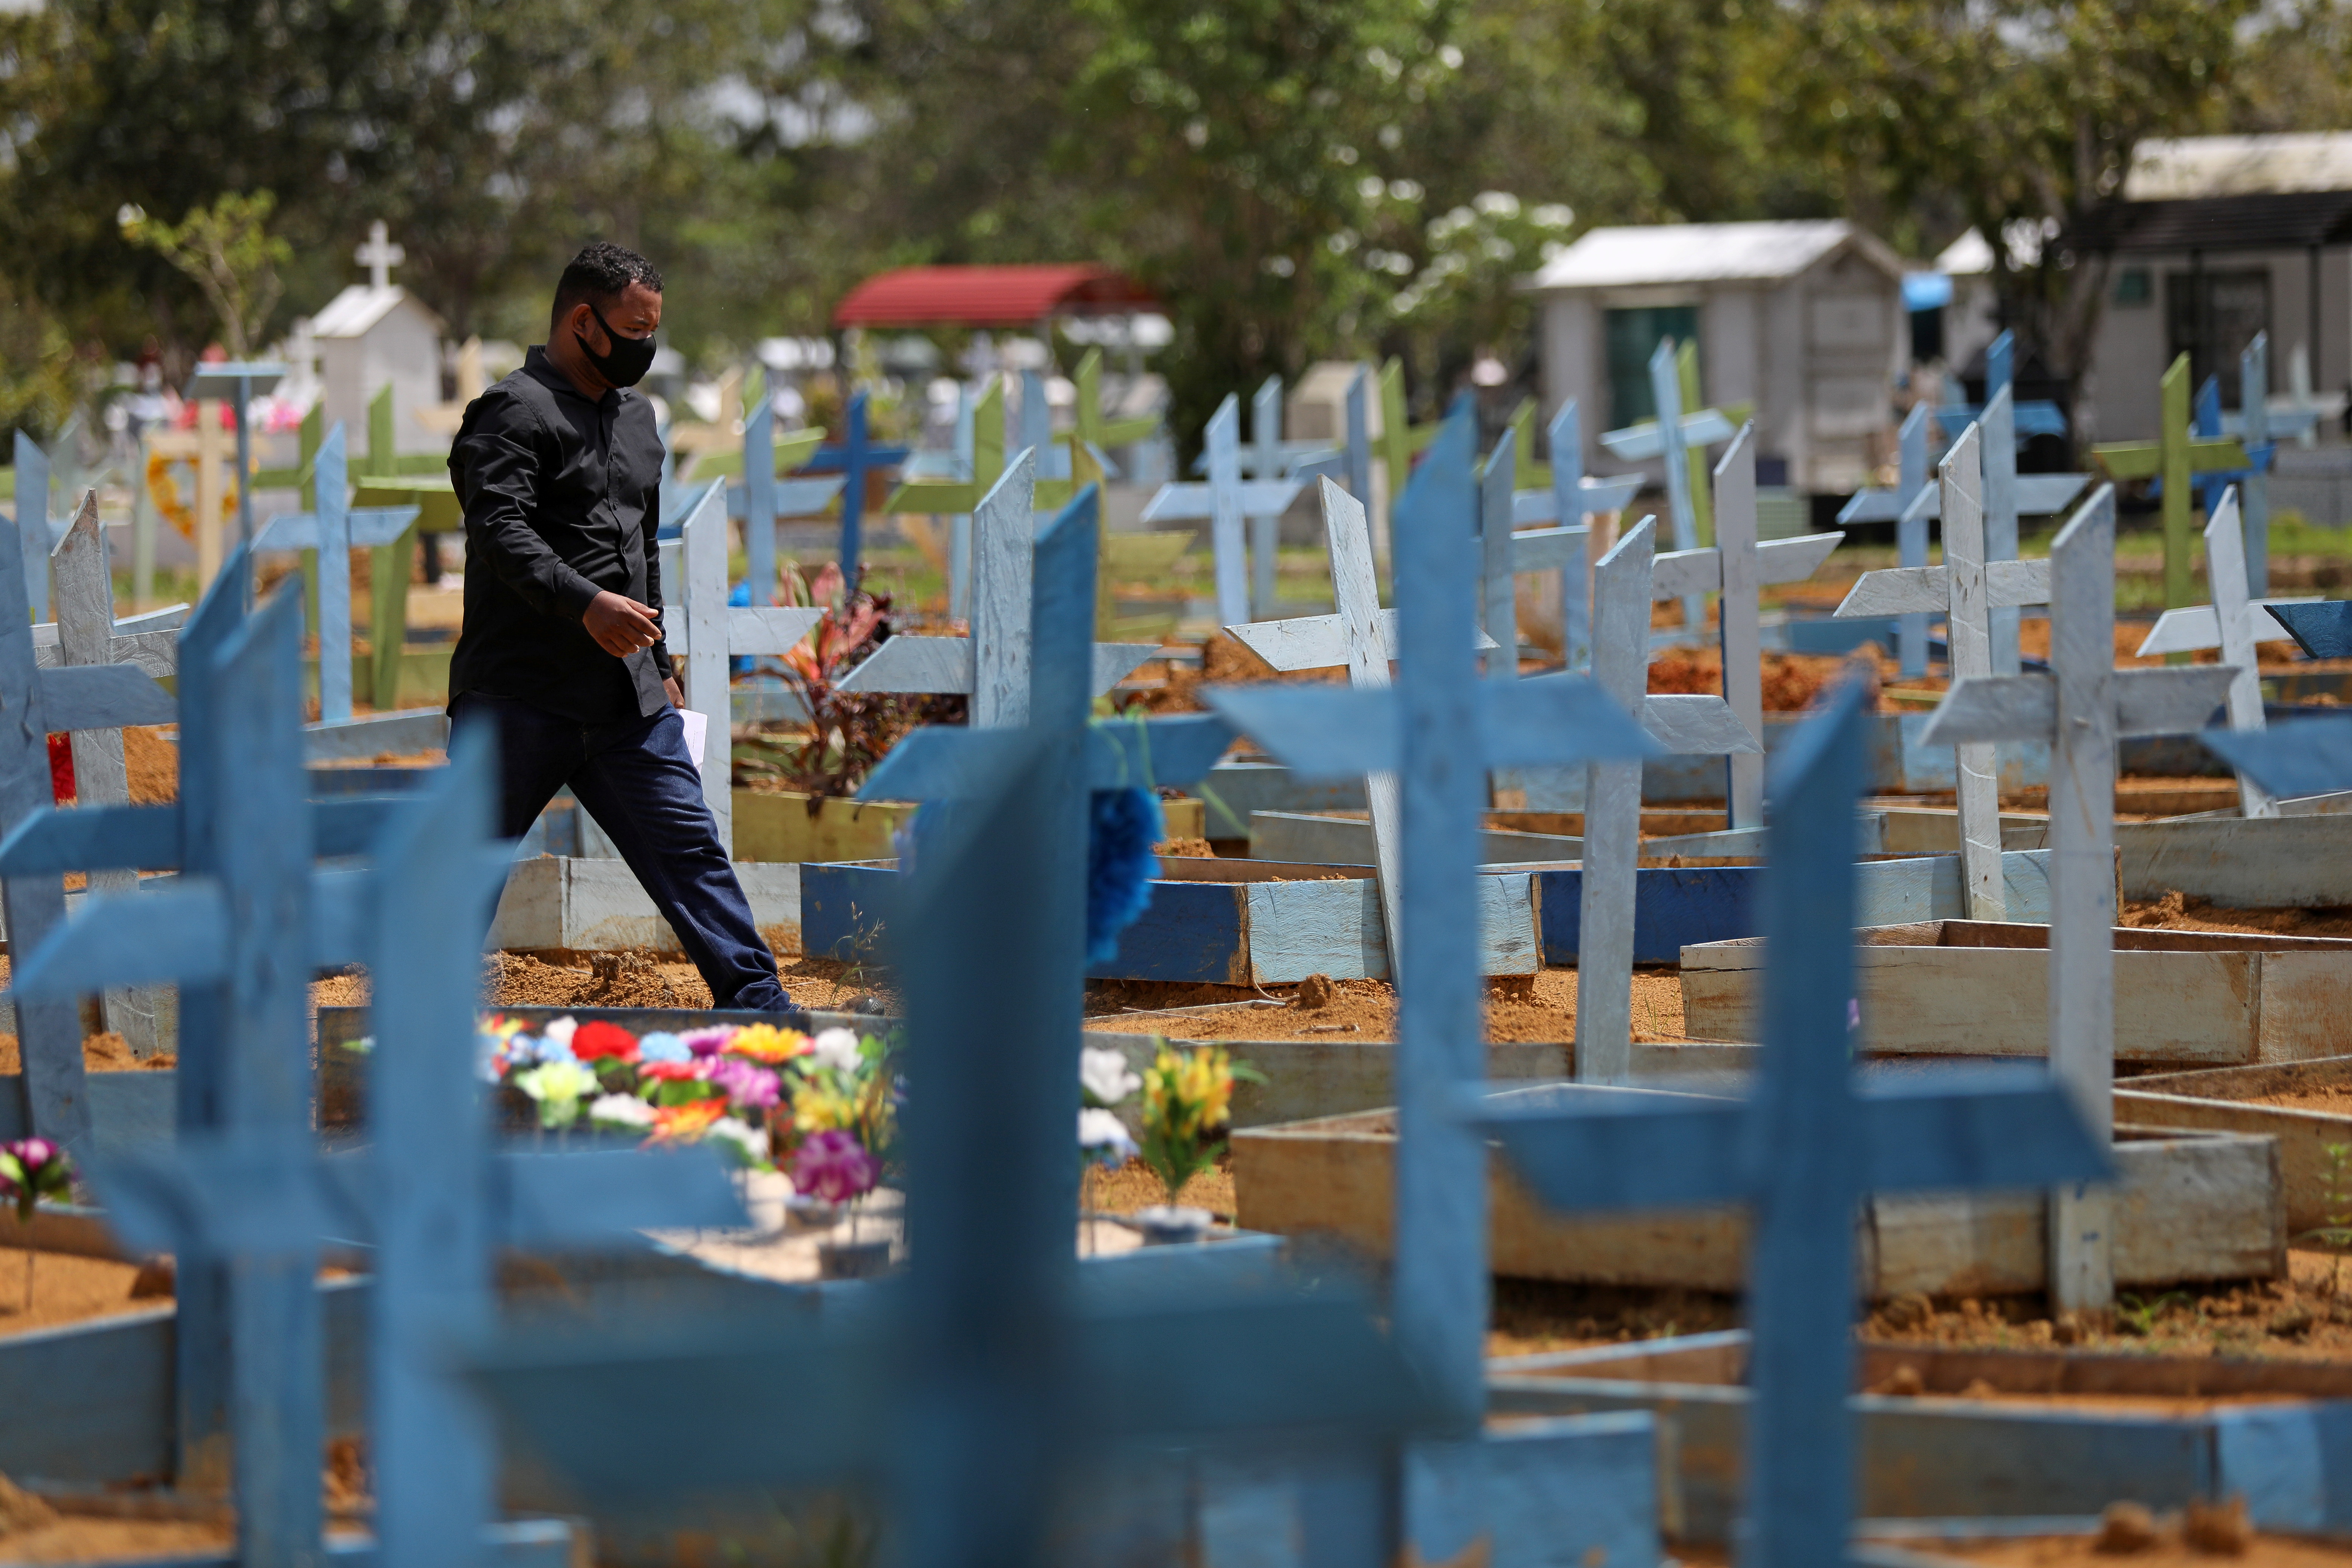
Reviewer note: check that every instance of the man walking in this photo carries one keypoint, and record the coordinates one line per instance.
(559, 469)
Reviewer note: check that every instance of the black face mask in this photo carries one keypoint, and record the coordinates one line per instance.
(626, 364)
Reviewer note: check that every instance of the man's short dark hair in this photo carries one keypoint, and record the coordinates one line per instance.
(599, 275)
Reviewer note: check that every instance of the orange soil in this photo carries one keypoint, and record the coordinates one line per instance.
(1537, 1008)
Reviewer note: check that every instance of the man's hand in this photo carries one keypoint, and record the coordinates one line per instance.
(671, 688)
(620, 625)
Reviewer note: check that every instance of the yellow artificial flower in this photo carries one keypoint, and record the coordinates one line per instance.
(766, 1043)
(816, 1109)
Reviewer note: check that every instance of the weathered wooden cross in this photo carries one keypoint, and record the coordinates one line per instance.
(993, 665)
(1965, 590)
(39, 531)
(1563, 495)
(1438, 730)
(1802, 1152)
(100, 695)
(238, 384)
(2254, 422)
(1683, 726)
(333, 529)
(2082, 708)
(1228, 502)
(699, 623)
(2232, 623)
(853, 457)
(2175, 456)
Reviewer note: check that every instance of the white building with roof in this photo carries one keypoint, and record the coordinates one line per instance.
(1804, 320)
(375, 333)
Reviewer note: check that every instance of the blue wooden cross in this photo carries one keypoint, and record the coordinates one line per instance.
(994, 1367)
(1571, 497)
(1802, 1152)
(69, 698)
(429, 1190)
(1229, 503)
(1670, 438)
(853, 457)
(39, 531)
(760, 499)
(1440, 729)
(334, 530)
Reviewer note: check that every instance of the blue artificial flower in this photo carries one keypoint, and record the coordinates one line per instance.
(663, 1047)
(1125, 826)
(739, 596)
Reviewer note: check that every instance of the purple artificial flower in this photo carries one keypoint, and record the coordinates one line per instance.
(708, 1042)
(749, 1085)
(834, 1166)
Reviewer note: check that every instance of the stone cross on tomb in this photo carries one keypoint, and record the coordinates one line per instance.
(1438, 732)
(969, 1392)
(1683, 726)
(1737, 566)
(78, 694)
(1563, 495)
(2083, 708)
(2232, 623)
(32, 509)
(1227, 500)
(763, 497)
(698, 623)
(1963, 590)
(1800, 1152)
(378, 254)
(255, 1198)
(334, 528)
(993, 665)
(1361, 637)
(2175, 456)
(87, 632)
(1680, 441)
(853, 457)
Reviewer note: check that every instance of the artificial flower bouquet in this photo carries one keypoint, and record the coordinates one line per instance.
(32, 1169)
(824, 1106)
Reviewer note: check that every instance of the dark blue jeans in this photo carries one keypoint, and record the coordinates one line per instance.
(638, 780)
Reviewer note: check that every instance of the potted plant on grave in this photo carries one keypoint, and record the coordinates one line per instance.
(1187, 1100)
(32, 1169)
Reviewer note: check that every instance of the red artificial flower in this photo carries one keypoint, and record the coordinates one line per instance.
(61, 773)
(670, 1072)
(596, 1039)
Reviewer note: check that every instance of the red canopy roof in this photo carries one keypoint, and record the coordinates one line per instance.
(988, 295)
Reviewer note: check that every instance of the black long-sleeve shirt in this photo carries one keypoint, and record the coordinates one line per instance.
(563, 501)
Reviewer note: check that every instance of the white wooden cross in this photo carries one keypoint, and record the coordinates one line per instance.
(1226, 500)
(1505, 549)
(378, 254)
(71, 698)
(1800, 1153)
(1440, 729)
(2082, 709)
(1362, 637)
(1670, 438)
(698, 623)
(992, 666)
(1738, 565)
(86, 632)
(334, 529)
(2232, 623)
(1965, 590)
(1683, 726)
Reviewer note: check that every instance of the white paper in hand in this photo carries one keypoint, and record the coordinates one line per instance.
(697, 725)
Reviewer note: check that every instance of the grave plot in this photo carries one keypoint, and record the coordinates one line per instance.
(1983, 1443)
(1981, 988)
(2305, 1105)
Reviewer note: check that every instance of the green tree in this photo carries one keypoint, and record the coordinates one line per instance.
(229, 251)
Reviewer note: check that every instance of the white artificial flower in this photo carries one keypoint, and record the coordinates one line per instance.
(1105, 1075)
(745, 1142)
(560, 1030)
(1104, 1136)
(620, 1111)
(837, 1049)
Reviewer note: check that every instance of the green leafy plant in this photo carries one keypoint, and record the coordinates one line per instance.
(2336, 1191)
(228, 250)
(2137, 1315)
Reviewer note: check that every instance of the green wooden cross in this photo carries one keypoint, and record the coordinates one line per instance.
(2173, 455)
(943, 497)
